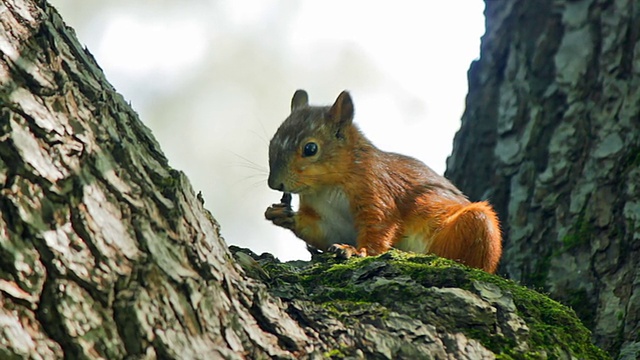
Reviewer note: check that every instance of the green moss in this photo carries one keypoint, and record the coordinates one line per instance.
(168, 187)
(171, 181)
(631, 159)
(340, 353)
(343, 310)
(497, 344)
(334, 354)
(537, 279)
(553, 323)
(401, 282)
(581, 303)
(550, 322)
(580, 234)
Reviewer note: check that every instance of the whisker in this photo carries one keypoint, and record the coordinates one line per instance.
(254, 176)
(251, 183)
(249, 164)
(264, 136)
(261, 182)
(260, 176)
(264, 140)
(253, 167)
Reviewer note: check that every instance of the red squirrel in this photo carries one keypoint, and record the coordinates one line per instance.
(358, 200)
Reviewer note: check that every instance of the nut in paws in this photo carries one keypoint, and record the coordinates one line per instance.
(281, 215)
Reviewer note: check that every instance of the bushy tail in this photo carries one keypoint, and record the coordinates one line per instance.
(471, 235)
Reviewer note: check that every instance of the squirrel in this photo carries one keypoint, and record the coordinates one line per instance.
(355, 199)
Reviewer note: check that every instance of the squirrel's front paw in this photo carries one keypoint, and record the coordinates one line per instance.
(344, 251)
(281, 215)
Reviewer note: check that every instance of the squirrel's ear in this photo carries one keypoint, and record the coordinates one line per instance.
(342, 110)
(300, 99)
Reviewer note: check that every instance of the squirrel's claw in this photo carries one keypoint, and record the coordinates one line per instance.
(314, 251)
(344, 251)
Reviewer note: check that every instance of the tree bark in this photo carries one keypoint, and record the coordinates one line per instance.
(106, 252)
(551, 135)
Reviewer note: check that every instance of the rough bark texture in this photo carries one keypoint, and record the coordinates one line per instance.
(106, 252)
(551, 135)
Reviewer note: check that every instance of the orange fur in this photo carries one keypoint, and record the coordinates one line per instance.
(470, 235)
(358, 200)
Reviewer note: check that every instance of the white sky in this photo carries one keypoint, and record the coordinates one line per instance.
(214, 79)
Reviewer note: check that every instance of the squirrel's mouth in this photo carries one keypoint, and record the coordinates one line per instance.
(286, 189)
(296, 190)
(287, 185)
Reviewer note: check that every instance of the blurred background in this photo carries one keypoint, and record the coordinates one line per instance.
(214, 79)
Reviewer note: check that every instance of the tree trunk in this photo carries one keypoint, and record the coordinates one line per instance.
(551, 135)
(106, 252)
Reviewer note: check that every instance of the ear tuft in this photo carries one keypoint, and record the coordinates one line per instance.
(300, 99)
(342, 110)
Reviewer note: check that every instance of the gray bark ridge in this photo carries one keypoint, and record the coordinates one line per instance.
(106, 252)
(551, 136)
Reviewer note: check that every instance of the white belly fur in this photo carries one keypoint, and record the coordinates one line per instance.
(414, 243)
(336, 220)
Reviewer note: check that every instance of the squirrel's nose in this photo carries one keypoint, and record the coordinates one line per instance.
(275, 184)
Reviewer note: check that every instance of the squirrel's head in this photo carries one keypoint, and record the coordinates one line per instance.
(309, 148)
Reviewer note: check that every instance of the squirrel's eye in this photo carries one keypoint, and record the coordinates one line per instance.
(310, 149)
